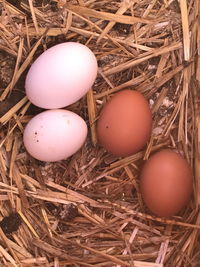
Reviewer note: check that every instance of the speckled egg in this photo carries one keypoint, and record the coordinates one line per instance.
(54, 135)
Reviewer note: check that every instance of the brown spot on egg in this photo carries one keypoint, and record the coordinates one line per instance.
(166, 183)
(124, 125)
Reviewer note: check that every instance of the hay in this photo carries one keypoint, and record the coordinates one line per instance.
(87, 210)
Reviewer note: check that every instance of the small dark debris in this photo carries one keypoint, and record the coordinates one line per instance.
(68, 212)
(123, 29)
(54, 6)
(11, 223)
(64, 212)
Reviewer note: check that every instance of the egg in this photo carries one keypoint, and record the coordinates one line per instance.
(61, 75)
(166, 183)
(54, 135)
(125, 122)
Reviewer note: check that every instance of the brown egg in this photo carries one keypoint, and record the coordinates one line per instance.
(166, 183)
(124, 125)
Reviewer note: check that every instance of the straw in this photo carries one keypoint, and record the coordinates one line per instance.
(87, 210)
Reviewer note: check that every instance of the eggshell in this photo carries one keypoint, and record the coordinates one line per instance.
(54, 135)
(124, 125)
(166, 183)
(61, 75)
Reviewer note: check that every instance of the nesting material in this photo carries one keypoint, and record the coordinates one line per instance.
(87, 210)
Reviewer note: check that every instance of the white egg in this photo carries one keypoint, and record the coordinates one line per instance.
(61, 75)
(54, 135)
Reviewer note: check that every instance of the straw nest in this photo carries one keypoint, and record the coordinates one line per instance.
(87, 210)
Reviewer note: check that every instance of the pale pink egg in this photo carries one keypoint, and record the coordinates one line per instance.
(54, 135)
(61, 75)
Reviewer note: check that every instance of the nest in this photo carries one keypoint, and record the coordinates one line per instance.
(87, 210)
